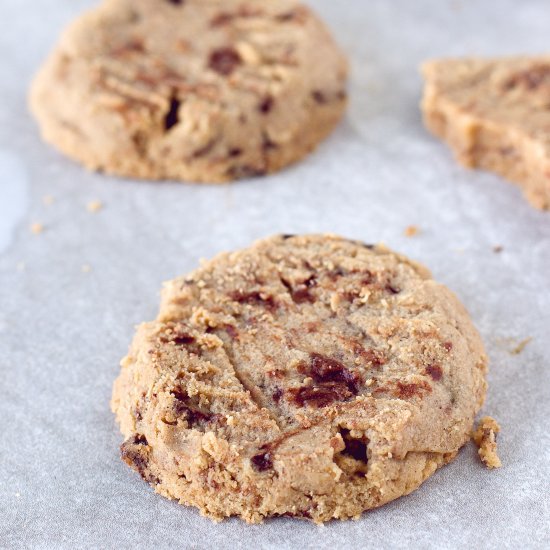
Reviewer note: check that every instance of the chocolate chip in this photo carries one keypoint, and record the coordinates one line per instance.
(324, 369)
(235, 152)
(254, 298)
(371, 356)
(266, 105)
(301, 292)
(262, 462)
(172, 117)
(183, 407)
(135, 452)
(138, 439)
(179, 336)
(137, 411)
(183, 339)
(332, 382)
(194, 416)
(287, 16)
(224, 60)
(392, 289)
(231, 331)
(277, 394)
(177, 2)
(320, 396)
(302, 295)
(435, 371)
(368, 278)
(286, 236)
(448, 346)
(356, 448)
(319, 97)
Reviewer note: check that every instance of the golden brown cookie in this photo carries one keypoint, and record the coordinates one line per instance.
(495, 114)
(308, 376)
(200, 90)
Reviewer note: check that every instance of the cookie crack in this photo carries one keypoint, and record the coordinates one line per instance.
(255, 393)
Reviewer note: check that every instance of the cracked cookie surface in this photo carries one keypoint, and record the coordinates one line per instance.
(495, 114)
(198, 90)
(308, 376)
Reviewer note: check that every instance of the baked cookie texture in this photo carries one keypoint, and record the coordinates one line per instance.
(306, 376)
(199, 90)
(495, 114)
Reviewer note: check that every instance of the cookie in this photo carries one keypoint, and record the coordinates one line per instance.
(207, 91)
(494, 114)
(306, 376)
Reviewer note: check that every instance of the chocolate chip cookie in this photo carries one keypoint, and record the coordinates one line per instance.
(307, 376)
(495, 114)
(195, 90)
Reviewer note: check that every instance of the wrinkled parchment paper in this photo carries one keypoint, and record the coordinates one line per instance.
(69, 296)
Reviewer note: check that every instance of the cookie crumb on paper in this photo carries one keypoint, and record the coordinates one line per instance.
(36, 228)
(94, 206)
(521, 346)
(412, 231)
(485, 437)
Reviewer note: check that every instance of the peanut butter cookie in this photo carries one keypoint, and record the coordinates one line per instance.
(196, 90)
(307, 376)
(495, 114)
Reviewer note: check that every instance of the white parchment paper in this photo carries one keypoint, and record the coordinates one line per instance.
(63, 329)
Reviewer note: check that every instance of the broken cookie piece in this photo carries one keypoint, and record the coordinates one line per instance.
(191, 90)
(485, 437)
(495, 115)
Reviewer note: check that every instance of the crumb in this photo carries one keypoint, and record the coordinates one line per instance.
(485, 437)
(521, 346)
(36, 228)
(94, 206)
(48, 200)
(17, 495)
(86, 268)
(411, 231)
(498, 249)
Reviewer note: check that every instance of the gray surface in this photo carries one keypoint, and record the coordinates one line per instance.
(62, 331)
